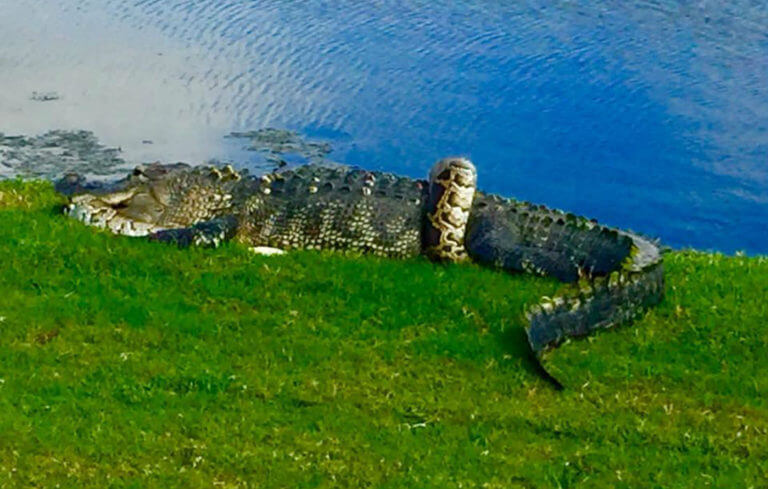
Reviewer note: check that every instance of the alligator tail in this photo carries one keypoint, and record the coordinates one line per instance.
(614, 275)
(598, 303)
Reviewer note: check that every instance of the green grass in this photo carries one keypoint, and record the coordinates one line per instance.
(131, 364)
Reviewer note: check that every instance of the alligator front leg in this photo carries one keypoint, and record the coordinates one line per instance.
(209, 234)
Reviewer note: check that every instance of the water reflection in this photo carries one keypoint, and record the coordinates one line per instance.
(650, 115)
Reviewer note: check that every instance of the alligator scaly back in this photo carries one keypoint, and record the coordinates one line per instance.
(614, 275)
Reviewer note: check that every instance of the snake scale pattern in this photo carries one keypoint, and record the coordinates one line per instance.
(615, 275)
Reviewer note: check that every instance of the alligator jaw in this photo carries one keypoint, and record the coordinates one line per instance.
(104, 212)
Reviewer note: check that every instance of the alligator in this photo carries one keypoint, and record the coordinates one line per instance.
(614, 275)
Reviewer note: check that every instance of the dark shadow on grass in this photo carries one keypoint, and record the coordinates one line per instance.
(57, 210)
(303, 403)
(515, 342)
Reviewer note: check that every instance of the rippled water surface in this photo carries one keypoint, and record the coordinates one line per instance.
(648, 115)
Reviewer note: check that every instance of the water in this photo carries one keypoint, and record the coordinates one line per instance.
(647, 115)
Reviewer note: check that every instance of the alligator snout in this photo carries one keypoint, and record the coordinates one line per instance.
(128, 212)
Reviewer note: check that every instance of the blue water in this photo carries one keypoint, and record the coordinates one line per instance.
(647, 115)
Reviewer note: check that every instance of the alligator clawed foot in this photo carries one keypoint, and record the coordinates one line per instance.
(208, 234)
(182, 237)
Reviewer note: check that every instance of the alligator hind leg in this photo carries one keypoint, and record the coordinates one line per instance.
(209, 234)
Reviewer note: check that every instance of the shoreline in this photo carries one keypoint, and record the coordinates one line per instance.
(53, 154)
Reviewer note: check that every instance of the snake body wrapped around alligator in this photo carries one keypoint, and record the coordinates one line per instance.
(615, 275)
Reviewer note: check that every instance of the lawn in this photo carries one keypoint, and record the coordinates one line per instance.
(125, 364)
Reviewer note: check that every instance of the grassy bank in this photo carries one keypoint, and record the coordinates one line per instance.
(131, 364)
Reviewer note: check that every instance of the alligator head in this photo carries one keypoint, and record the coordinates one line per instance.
(152, 198)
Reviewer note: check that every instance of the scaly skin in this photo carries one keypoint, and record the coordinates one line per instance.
(452, 185)
(615, 275)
